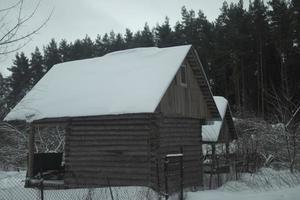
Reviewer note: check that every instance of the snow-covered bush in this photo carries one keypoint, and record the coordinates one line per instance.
(13, 143)
(264, 179)
(275, 142)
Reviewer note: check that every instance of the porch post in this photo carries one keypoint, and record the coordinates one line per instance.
(30, 151)
(227, 149)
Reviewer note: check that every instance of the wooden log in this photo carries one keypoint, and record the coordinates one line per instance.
(107, 153)
(120, 169)
(108, 137)
(103, 143)
(96, 148)
(124, 164)
(89, 183)
(108, 157)
(122, 133)
(109, 128)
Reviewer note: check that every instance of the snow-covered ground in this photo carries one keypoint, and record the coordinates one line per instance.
(12, 188)
(280, 194)
(267, 184)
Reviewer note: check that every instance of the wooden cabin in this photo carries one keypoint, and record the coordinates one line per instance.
(219, 145)
(122, 113)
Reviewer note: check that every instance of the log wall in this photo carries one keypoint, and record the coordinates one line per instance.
(114, 148)
(129, 150)
(176, 132)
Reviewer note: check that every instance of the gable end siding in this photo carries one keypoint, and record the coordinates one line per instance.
(184, 100)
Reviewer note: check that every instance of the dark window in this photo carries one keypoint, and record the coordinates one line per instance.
(183, 76)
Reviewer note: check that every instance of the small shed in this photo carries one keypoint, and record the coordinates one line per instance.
(218, 139)
(219, 131)
(122, 114)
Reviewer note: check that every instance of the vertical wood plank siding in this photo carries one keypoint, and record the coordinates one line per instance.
(184, 100)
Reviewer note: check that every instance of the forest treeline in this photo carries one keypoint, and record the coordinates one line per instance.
(251, 55)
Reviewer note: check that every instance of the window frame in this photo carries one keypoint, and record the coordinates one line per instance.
(183, 67)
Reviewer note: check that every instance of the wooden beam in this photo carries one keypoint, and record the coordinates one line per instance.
(30, 151)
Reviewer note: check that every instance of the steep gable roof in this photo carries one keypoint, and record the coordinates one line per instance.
(128, 81)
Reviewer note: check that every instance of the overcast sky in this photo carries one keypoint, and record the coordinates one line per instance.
(73, 19)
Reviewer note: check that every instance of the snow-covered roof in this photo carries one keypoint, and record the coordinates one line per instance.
(128, 81)
(210, 133)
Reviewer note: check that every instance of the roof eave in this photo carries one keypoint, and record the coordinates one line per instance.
(202, 80)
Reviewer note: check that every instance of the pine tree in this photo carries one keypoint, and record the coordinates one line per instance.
(99, 46)
(4, 91)
(137, 39)
(76, 50)
(260, 33)
(281, 34)
(294, 59)
(37, 67)
(198, 32)
(295, 12)
(51, 54)
(179, 36)
(88, 49)
(20, 79)
(118, 43)
(188, 26)
(64, 51)
(147, 37)
(106, 44)
(231, 55)
(129, 43)
(164, 34)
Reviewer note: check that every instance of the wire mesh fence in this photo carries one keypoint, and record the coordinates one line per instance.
(114, 193)
(12, 188)
(13, 182)
(170, 185)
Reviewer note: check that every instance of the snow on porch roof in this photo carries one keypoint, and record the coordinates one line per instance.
(210, 133)
(128, 81)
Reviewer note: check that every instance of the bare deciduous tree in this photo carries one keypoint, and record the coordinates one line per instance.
(13, 144)
(278, 138)
(287, 114)
(11, 38)
(49, 139)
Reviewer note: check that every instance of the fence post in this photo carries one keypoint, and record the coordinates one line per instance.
(217, 170)
(42, 189)
(157, 173)
(213, 159)
(110, 191)
(30, 147)
(166, 178)
(236, 166)
(181, 174)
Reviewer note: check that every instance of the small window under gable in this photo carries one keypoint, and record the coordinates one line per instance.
(183, 74)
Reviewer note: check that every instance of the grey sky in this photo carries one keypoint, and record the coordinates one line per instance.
(74, 19)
